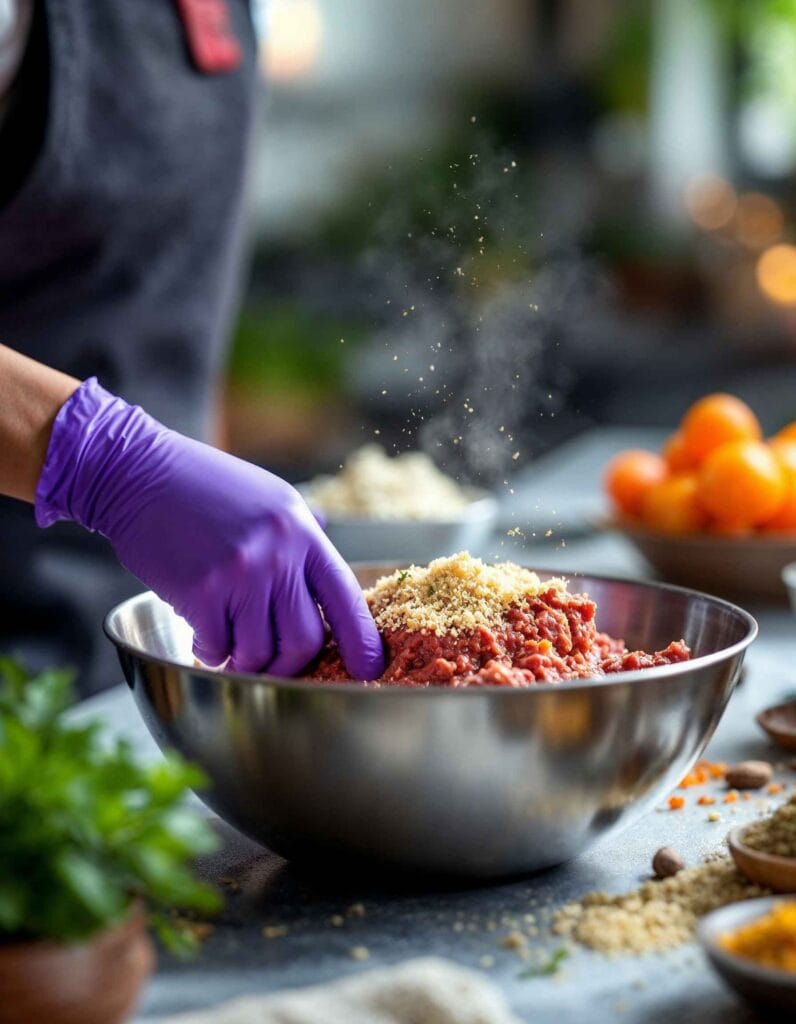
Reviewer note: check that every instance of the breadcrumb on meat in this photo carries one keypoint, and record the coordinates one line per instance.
(455, 594)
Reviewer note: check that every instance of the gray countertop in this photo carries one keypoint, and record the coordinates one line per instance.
(404, 919)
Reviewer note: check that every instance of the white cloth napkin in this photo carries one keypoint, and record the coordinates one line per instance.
(425, 991)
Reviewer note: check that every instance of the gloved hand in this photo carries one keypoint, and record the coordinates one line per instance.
(234, 549)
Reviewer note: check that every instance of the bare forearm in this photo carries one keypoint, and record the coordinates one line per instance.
(30, 396)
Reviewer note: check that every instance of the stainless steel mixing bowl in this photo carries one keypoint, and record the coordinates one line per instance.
(481, 782)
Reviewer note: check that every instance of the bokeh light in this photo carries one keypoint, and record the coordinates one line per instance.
(776, 274)
(711, 202)
(758, 220)
(294, 32)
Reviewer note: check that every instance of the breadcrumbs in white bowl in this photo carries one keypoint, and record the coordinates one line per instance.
(401, 508)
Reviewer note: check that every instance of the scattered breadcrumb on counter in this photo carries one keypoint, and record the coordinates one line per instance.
(453, 594)
(371, 485)
(657, 916)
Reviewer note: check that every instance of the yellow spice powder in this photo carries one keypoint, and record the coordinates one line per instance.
(769, 941)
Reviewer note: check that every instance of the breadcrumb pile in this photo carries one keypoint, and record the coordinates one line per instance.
(455, 594)
(775, 835)
(659, 915)
(373, 486)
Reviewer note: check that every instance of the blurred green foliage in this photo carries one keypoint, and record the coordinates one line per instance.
(623, 70)
(284, 347)
(85, 830)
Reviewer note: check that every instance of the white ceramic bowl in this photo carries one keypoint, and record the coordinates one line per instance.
(414, 540)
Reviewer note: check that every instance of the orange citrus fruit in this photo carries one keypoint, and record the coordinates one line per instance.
(784, 520)
(672, 506)
(712, 422)
(630, 475)
(675, 454)
(788, 433)
(742, 483)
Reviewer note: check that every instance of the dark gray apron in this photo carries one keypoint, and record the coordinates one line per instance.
(121, 171)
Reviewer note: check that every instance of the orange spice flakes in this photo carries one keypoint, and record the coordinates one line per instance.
(702, 773)
(706, 801)
(731, 797)
(770, 940)
(676, 803)
(774, 788)
(690, 780)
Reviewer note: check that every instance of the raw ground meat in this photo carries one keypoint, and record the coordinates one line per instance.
(552, 637)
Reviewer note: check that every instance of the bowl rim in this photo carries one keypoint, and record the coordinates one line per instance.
(707, 931)
(774, 860)
(656, 673)
(483, 505)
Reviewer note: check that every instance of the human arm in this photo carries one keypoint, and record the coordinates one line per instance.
(30, 396)
(233, 548)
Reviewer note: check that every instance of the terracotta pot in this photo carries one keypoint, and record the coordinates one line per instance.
(94, 982)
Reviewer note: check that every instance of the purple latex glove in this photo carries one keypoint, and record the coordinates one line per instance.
(234, 549)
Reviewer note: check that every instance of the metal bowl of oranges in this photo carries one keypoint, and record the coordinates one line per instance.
(715, 509)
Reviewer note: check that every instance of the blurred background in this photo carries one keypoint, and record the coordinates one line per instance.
(480, 227)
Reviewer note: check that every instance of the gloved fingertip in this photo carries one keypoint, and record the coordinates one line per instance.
(249, 664)
(285, 668)
(239, 665)
(209, 656)
(365, 660)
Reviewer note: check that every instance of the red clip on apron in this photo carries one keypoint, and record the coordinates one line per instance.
(211, 39)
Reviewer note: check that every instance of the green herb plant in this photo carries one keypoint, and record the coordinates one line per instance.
(86, 831)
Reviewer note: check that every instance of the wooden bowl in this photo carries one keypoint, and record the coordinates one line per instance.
(746, 567)
(94, 982)
(780, 724)
(775, 873)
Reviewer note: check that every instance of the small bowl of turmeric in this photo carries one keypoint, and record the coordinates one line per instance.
(752, 945)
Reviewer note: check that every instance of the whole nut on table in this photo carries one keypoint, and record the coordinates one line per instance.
(667, 862)
(749, 775)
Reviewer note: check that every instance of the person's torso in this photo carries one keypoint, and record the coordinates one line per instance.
(120, 242)
(118, 249)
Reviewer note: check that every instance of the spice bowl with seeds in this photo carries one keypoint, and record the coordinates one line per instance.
(765, 851)
(751, 974)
